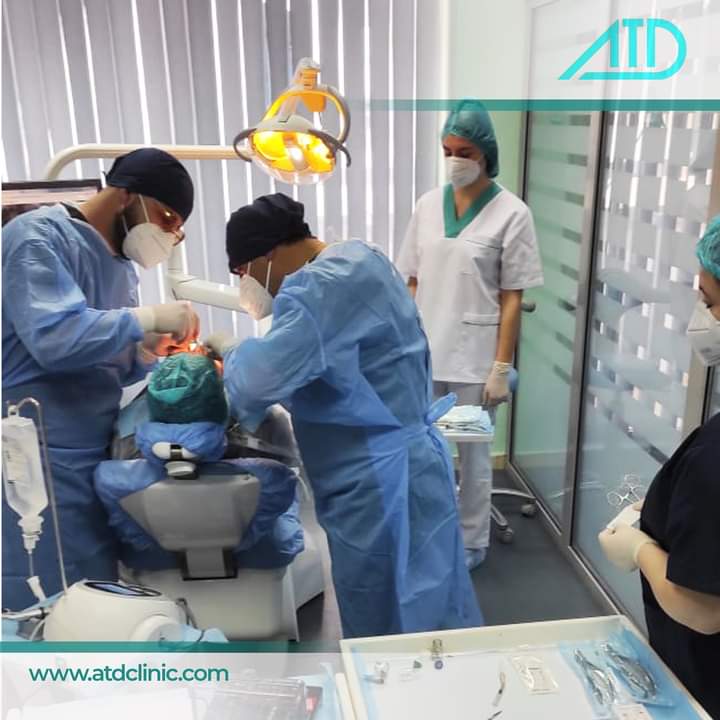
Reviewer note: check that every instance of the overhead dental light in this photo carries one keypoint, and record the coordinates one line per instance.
(286, 145)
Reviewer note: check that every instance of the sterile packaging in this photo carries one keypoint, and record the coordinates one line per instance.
(631, 712)
(601, 687)
(632, 664)
(535, 674)
(627, 516)
(618, 674)
(283, 699)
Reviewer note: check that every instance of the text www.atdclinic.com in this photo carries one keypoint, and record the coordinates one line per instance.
(139, 672)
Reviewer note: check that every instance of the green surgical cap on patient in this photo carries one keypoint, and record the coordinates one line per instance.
(470, 120)
(708, 249)
(186, 388)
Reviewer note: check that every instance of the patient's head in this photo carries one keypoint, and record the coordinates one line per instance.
(186, 388)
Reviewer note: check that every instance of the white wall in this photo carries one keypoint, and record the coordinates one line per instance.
(488, 48)
(488, 57)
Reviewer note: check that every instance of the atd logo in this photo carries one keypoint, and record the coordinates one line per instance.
(612, 37)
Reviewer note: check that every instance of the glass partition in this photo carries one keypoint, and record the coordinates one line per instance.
(654, 195)
(619, 200)
(714, 406)
(559, 144)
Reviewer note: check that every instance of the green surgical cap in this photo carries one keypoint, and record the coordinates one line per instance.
(708, 249)
(470, 120)
(186, 388)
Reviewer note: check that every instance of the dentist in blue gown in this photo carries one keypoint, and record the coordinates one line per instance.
(73, 336)
(348, 357)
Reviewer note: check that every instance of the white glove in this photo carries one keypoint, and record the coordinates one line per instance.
(176, 318)
(497, 387)
(622, 546)
(220, 343)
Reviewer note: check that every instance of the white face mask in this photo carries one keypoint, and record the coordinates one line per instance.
(704, 334)
(264, 326)
(254, 298)
(462, 171)
(146, 243)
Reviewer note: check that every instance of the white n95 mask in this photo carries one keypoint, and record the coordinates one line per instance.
(462, 171)
(704, 334)
(146, 243)
(264, 326)
(254, 298)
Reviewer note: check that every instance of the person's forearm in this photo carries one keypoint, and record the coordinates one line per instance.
(412, 284)
(695, 610)
(510, 309)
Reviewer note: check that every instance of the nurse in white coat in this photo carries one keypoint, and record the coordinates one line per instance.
(469, 252)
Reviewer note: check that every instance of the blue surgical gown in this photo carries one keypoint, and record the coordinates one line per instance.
(348, 357)
(69, 341)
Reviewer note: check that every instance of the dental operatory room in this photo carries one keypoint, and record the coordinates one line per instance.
(384, 329)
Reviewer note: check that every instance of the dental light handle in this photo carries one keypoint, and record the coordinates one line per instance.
(27, 489)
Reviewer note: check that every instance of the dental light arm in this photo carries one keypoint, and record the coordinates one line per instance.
(189, 287)
(179, 284)
(301, 153)
(90, 151)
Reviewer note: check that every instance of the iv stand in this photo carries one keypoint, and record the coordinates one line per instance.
(14, 409)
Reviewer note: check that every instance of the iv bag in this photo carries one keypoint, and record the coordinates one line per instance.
(21, 467)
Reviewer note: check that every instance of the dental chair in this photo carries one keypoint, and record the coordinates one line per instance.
(224, 536)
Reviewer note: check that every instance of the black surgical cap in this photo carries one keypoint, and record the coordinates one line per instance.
(257, 229)
(156, 174)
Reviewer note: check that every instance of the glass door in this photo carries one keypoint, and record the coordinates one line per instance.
(714, 405)
(560, 176)
(644, 289)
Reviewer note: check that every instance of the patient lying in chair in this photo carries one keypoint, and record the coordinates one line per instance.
(184, 413)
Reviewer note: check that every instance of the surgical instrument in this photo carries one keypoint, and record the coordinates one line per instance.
(501, 689)
(599, 682)
(632, 672)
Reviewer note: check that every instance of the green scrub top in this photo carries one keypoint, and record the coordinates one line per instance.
(455, 225)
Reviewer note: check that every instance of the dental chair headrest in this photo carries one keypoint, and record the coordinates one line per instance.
(179, 463)
(161, 443)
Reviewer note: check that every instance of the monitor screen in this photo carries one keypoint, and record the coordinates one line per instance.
(19, 197)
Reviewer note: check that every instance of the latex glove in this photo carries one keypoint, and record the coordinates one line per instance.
(622, 545)
(152, 347)
(159, 344)
(639, 505)
(176, 318)
(220, 343)
(497, 387)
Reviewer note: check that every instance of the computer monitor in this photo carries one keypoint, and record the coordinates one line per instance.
(19, 197)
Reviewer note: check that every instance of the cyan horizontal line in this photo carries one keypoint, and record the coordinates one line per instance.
(548, 104)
